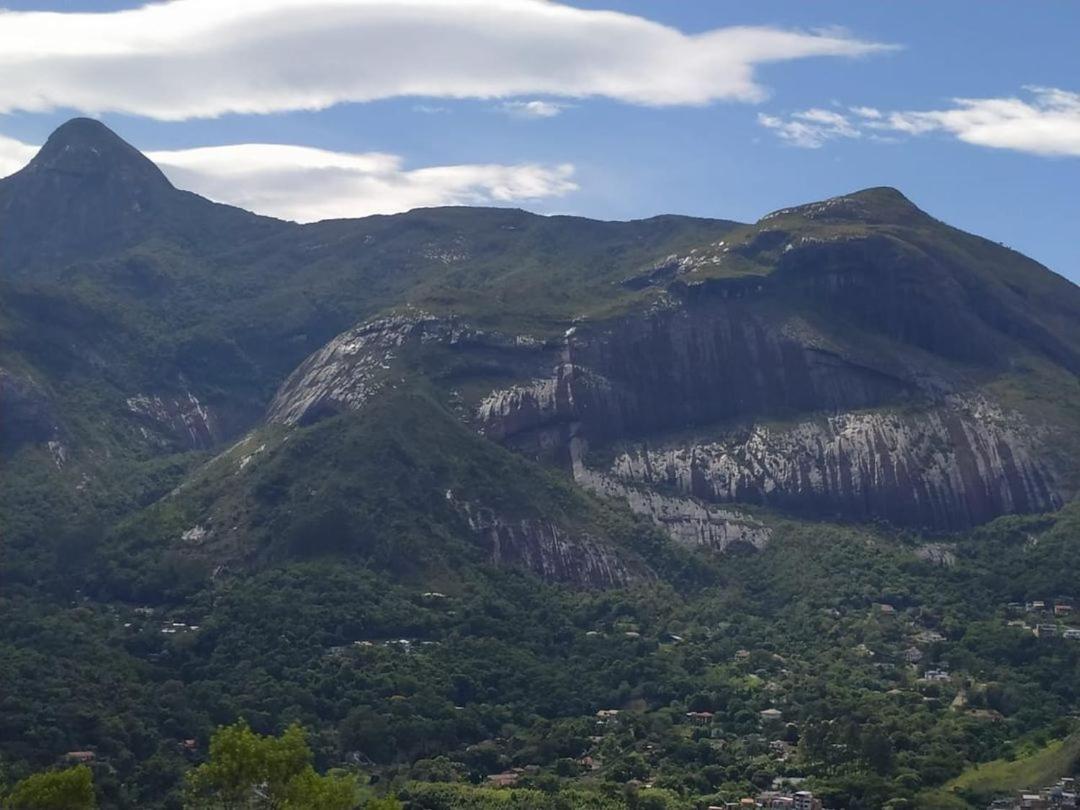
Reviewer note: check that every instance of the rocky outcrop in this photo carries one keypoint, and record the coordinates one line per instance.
(550, 551)
(688, 365)
(359, 363)
(688, 521)
(180, 420)
(947, 467)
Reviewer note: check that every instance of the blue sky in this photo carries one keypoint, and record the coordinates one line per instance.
(726, 136)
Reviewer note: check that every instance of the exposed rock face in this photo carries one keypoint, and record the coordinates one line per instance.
(359, 363)
(182, 420)
(683, 366)
(942, 554)
(545, 549)
(688, 521)
(948, 467)
(942, 462)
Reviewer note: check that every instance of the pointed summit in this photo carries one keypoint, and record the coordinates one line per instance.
(87, 149)
(88, 191)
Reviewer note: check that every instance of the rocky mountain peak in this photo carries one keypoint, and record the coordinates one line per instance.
(84, 149)
(872, 206)
(86, 191)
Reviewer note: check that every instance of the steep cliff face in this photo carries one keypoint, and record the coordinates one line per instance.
(549, 550)
(947, 467)
(690, 364)
(360, 363)
(180, 420)
(876, 431)
(687, 520)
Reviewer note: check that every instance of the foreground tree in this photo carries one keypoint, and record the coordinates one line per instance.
(70, 789)
(249, 771)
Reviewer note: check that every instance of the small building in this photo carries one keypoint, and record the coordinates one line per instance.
(1046, 630)
(936, 676)
(700, 718)
(1072, 634)
(885, 609)
(771, 715)
(607, 717)
(805, 800)
(1062, 609)
(84, 757)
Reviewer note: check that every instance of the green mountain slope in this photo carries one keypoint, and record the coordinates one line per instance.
(442, 485)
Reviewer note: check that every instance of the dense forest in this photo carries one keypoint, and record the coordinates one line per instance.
(490, 686)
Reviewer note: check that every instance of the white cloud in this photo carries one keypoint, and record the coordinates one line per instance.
(14, 155)
(306, 184)
(811, 128)
(1047, 124)
(202, 58)
(533, 109)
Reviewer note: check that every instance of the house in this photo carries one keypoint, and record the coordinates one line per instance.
(80, 756)
(1046, 630)
(770, 715)
(805, 800)
(700, 718)
(189, 745)
(742, 655)
(1062, 609)
(885, 609)
(504, 779)
(1072, 634)
(929, 637)
(607, 717)
(936, 676)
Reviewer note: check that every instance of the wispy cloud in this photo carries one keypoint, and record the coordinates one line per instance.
(811, 128)
(533, 109)
(1046, 123)
(431, 109)
(202, 58)
(305, 184)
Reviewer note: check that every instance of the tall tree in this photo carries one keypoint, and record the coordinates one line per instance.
(249, 771)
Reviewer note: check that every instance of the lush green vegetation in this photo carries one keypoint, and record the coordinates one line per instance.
(427, 696)
(1030, 768)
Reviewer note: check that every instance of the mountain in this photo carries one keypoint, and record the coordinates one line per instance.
(201, 407)
(850, 359)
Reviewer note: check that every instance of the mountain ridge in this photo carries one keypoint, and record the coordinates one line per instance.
(561, 339)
